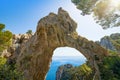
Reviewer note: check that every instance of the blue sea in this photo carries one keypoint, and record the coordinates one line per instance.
(57, 61)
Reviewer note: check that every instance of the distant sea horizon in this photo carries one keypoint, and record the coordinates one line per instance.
(61, 60)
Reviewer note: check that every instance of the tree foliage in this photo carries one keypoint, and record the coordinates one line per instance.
(29, 32)
(2, 26)
(110, 68)
(106, 12)
(5, 37)
(83, 72)
(9, 72)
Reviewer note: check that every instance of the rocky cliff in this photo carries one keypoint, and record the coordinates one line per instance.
(109, 70)
(111, 42)
(61, 71)
(17, 44)
(69, 72)
(34, 55)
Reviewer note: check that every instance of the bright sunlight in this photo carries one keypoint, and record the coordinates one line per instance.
(115, 3)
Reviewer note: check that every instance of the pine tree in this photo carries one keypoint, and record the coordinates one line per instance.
(5, 38)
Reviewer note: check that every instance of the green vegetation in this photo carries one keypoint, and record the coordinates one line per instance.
(85, 5)
(110, 68)
(9, 72)
(115, 39)
(5, 38)
(82, 72)
(116, 43)
(112, 53)
(106, 12)
(29, 32)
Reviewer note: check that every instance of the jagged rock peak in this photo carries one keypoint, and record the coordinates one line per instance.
(62, 12)
(60, 20)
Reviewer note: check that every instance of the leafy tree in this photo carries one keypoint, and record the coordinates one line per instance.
(110, 68)
(106, 12)
(5, 37)
(29, 32)
(2, 26)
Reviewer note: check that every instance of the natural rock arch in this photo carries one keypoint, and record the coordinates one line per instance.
(64, 56)
(55, 30)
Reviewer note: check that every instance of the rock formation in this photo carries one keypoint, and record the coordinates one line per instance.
(111, 42)
(106, 42)
(5, 54)
(53, 31)
(17, 44)
(61, 69)
(69, 72)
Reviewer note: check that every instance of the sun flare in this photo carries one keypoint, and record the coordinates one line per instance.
(115, 3)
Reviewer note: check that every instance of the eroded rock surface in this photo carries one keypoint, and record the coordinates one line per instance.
(53, 31)
(111, 42)
(14, 50)
(61, 69)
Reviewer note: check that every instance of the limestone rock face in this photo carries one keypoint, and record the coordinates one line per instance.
(5, 54)
(18, 42)
(111, 42)
(69, 72)
(53, 31)
(105, 42)
(61, 70)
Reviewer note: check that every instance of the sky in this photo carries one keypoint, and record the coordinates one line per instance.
(22, 15)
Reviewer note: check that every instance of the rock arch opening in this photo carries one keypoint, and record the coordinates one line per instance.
(62, 56)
